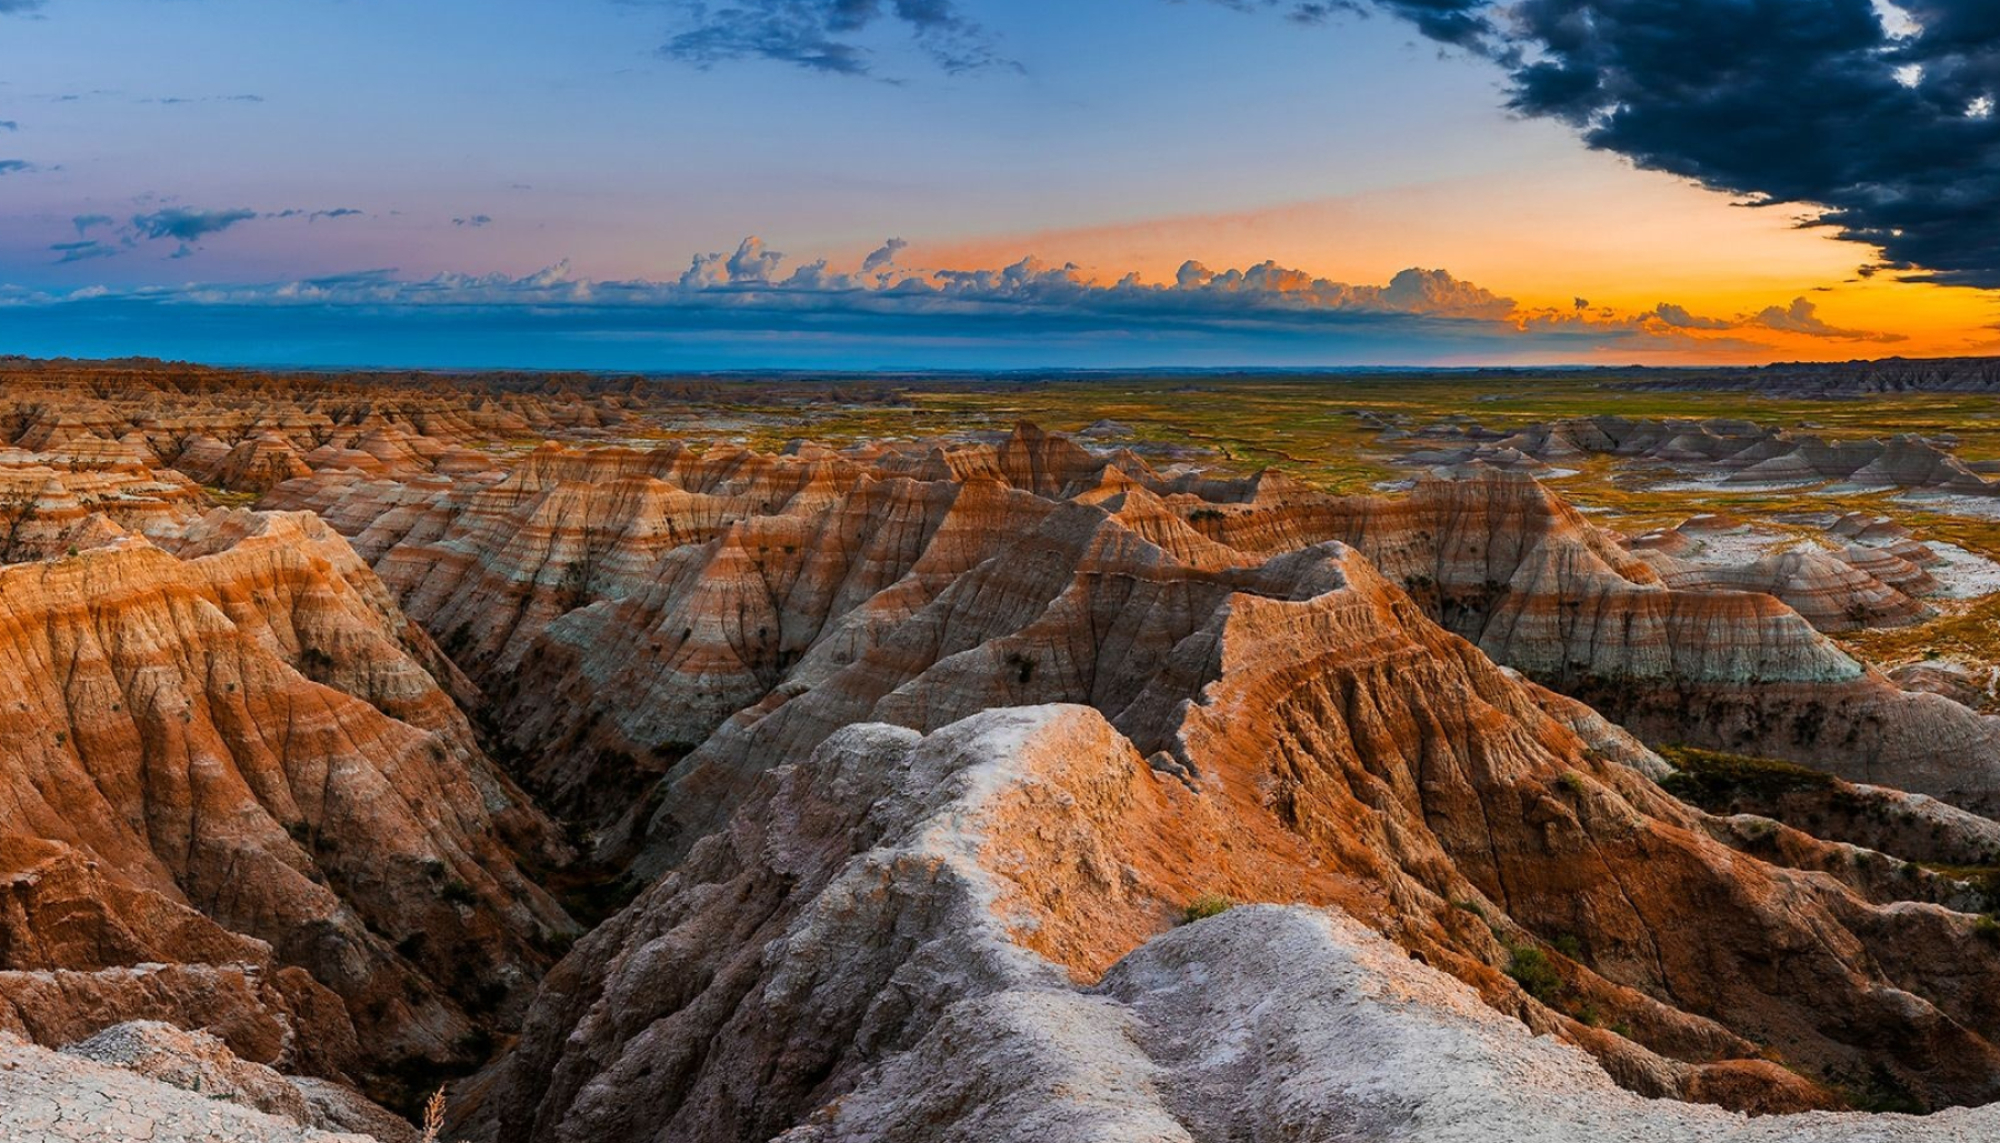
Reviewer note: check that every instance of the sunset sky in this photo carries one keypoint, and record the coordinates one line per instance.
(997, 183)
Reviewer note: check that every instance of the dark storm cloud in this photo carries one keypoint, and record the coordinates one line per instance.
(1877, 117)
(822, 34)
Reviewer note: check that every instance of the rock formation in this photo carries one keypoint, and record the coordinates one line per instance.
(972, 787)
(239, 795)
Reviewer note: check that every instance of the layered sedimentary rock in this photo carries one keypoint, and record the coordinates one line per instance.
(1740, 452)
(694, 585)
(238, 795)
(1849, 589)
(920, 751)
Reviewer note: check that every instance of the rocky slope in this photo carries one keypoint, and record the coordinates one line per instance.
(154, 1082)
(919, 928)
(239, 795)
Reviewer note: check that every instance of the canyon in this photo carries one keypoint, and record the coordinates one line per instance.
(712, 759)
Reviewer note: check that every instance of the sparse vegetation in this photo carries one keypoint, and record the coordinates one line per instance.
(1205, 906)
(434, 1117)
(1717, 781)
(1531, 968)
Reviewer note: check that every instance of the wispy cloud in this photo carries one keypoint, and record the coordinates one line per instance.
(475, 221)
(827, 35)
(83, 251)
(184, 225)
(16, 167)
(316, 215)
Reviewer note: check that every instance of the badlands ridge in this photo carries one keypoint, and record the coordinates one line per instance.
(369, 734)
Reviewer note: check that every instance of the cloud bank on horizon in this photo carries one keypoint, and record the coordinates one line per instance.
(751, 293)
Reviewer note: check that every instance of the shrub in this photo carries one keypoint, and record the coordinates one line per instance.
(1531, 969)
(1987, 929)
(458, 893)
(1716, 781)
(1569, 946)
(1205, 906)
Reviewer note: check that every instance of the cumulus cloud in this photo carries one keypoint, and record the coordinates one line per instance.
(824, 35)
(1802, 317)
(883, 256)
(753, 289)
(1678, 317)
(1670, 321)
(1877, 117)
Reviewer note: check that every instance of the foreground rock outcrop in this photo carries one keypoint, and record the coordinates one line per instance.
(958, 936)
(51, 1097)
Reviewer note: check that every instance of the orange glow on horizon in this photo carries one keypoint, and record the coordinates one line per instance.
(1623, 239)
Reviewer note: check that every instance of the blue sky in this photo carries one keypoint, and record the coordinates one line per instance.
(171, 156)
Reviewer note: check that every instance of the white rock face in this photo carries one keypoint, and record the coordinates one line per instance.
(51, 1097)
(1285, 1025)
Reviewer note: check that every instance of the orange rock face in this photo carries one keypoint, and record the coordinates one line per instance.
(239, 755)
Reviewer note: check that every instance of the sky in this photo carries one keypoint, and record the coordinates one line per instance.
(984, 184)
